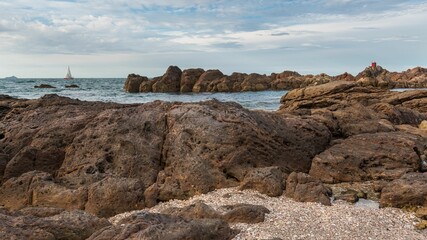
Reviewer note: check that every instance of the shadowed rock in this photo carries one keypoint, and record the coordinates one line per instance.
(304, 188)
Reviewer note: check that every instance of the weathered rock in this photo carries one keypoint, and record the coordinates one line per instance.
(39, 189)
(256, 82)
(421, 213)
(245, 213)
(189, 77)
(72, 86)
(159, 226)
(377, 156)
(133, 83)
(111, 196)
(408, 191)
(267, 180)
(305, 188)
(41, 212)
(197, 160)
(170, 81)
(232, 83)
(423, 125)
(207, 81)
(65, 225)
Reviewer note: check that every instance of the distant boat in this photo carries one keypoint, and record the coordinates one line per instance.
(68, 76)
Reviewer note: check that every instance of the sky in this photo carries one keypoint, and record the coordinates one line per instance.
(112, 38)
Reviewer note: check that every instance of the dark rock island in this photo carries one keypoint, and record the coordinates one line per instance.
(199, 80)
(66, 164)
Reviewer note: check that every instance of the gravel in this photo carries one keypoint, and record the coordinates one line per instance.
(294, 220)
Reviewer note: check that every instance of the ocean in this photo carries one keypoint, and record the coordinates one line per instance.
(111, 90)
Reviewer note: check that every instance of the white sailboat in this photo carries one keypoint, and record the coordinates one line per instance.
(68, 76)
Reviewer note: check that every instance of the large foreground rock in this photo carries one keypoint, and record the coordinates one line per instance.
(108, 158)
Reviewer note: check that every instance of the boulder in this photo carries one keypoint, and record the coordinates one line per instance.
(170, 81)
(305, 188)
(232, 83)
(423, 125)
(244, 213)
(256, 82)
(408, 191)
(207, 81)
(160, 226)
(133, 83)
(189, 78)
(363, 157)
(267, 181)
(72, 86)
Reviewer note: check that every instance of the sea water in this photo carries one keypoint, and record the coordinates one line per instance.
(111, 90)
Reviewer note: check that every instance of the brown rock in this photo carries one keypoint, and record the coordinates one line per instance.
(377, 156)
(159, 226)
(305, 188)
(245, 213)
(410, 190)
(423, 125)
(65, 225)
(170, 81)
(232, 83)
(256, 82)
(189, 77)
(133, 83)
(267, 180)
(207, 81)
(111, 196)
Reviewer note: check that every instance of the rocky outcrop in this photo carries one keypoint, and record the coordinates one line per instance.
(305, 188)
(108, 158)
(408, 191)
(197, 80)
(44, 86)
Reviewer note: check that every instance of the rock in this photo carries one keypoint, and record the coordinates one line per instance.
(170, 81)
(232, 83)
(72, 86)
(348, 196)
(305, 188)
(377, 156)
(207, 81)
(111, 196)
(41, 212)
(197, 210)
(155, 151)
(421, 213)
(159, 226)
(65, 225)
(44, 86)
(423, 125)
(408, 191)
(344, 77)
(256, 82)
(354, 190)
(147, 86)
(198, 161)
(39, 189)
(267, 180)
(189, 77)
(133, 83)
(245, 213)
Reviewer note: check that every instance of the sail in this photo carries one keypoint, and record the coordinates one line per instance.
(68, 76)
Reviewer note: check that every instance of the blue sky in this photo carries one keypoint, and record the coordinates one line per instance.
(111, 38)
